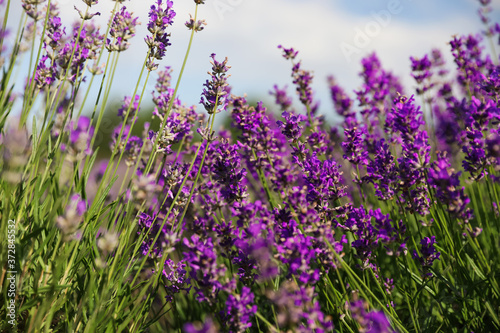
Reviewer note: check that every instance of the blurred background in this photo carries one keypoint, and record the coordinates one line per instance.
(332, 37)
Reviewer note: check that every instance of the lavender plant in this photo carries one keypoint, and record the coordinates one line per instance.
(278, 224)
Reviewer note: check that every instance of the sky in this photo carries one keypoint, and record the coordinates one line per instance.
(332, 36)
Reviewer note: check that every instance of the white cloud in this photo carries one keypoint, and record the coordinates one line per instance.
(249, 32)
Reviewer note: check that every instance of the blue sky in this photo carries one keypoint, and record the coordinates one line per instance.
(248, 32)
(416, 11)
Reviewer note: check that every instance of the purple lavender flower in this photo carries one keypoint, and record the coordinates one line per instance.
(405, 118)
(197, 26)
(491, 84)
(73, 215)
(295, 249)
(303, 81)
(80, 136)
(428, 254)
(176, 277)
(383, 173)
(178, 126)
(288, 53)
(149, 226)
(164, 79)
(493, 148)
(159, 20)
(478, 117)
(54, 33)
(447, 132)
(239, 310)
(45, 75)
(297, 311)
(263, 255)
(370, 322)
(77, 54)
(342, 102)
(215, 94)
(438, 62)
(226, 233)
(354, 151)
(281, 98)
(84, 45)
(256, 127)
(448, 190)
(301, 78)
(378, 86)
(291, 127)
(299, 154)
(359, 222)
(207, 326)
(421, 73)
(115, 139)
(227, 172)
(91, 39)
(407, 121)
(263, 145)
(30, 7)
(373, 230)
(323, 181)
(254, 257)
(122, 28)
(468, 56)
(252, 122)
(319, 142)
(204, 270)
(130, 107)
(132, 150)
(180, 119)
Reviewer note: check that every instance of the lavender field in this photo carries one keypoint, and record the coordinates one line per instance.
(374, 211)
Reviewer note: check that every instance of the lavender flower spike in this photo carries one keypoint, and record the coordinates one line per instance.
(122, 29)
(159, 20)
(216, 91)
(429, 254)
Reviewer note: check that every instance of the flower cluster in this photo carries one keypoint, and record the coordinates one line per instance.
(239, 310)
(369, 322)
(421, 73)
(446, 181)
(301, 78)
(406, 122)
(159, 19)
(176, 276)
(204, 270)
(428, 254)
(72, 218)
(228, 174)
(122, 29)
(80, 136)
(215, 94)
(291, 128)
(296, 311)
